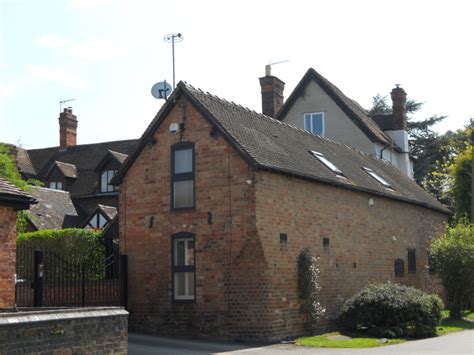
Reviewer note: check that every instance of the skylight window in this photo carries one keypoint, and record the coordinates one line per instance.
(377, 177)
(326, 162)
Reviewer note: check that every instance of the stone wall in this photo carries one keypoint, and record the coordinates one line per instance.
(72, 331)
(7, 256)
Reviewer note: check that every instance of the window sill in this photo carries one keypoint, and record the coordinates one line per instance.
(183, 209)
(114, 193)
(178, 301)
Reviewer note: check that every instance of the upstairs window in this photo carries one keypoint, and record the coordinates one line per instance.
(377, 177)
(327, 163)
(105, 185)
(182, 176)
(314, 123)
(183, 267)
(412, 261)
(56, 185)
(97, 221)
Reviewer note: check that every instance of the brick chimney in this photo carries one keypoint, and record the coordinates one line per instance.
(272, 93)
(67, 128)
(399, 107)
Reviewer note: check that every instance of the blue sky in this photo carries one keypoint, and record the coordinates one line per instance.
(107, 54)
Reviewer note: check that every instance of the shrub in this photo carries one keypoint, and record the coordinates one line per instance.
(452, 256)
(391, 310)
(75, 245)
(308, 285)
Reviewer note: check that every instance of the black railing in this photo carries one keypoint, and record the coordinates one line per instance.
(46, 279)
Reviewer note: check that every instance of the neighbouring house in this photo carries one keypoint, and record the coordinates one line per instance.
(319, 107)
(77, 192)
(12, 200)
(217, 202)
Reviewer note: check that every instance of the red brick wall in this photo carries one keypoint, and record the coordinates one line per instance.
(364, 242)
(246, 282)
(226, 250)
(7, 256)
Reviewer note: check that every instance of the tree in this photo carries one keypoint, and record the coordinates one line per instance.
(452, 256)
(461, 175)
(8, 169)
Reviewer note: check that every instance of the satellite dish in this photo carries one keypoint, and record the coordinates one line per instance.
(161, 90)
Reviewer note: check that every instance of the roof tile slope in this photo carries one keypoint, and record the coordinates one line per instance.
(55, 209)
(119, 156)
(109, 211)
(270, 144)
(279, 146)
(85, 158)
(9, 192)
(68, 170)
(351, 107)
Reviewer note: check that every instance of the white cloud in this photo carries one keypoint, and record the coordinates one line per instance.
(58, 75)
(78, 4)
(52, 41)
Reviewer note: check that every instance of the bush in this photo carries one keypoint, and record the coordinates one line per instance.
(452, 256)
(74, 245)
(391, 310)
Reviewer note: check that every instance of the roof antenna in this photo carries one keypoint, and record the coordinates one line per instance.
(173, 37)
(63, 102)
(268, 67)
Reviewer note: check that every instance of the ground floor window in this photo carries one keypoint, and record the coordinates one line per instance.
(183, 267)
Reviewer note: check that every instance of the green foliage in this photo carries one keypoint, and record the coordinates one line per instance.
(452, 255)
(78, 245)
(8, 169)
(392, 310)
(338, 340)
(308, 286)
(461, 173)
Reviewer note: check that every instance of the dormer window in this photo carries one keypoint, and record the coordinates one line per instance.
(105, 185)
(327, 163)
(56, 185)
(314, 123)
(377, 177)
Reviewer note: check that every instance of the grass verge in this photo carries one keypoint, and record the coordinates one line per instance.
(338, 340)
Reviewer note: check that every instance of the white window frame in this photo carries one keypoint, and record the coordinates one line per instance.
(327, 163)
(378, 178)
(56, 185)
(310, 129)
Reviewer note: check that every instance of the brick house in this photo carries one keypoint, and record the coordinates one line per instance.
(77, 192)
(12, 200)
(320, 107)
(217, 202)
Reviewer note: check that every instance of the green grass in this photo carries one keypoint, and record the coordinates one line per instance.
(330, 340)
(326, 341)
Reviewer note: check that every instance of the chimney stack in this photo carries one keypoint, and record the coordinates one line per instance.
(272, 93)
(67, 128)
(399, 107)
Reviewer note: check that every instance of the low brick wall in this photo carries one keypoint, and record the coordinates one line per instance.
(67, 331)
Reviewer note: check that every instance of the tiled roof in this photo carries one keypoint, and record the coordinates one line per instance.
(9, 193)
(349, 106)
(80, 161)
(119, 156)
(68, 170)
(55, 210)
(269, 144)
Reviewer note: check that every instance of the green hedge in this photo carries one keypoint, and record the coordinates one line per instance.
(75, 245)
(392, 310)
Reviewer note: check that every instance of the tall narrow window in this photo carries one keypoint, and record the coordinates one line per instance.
(105, 185)
(183, 267)
(412, 261)
(314, 123)
(182, 175)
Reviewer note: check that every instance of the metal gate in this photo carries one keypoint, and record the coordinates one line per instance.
(46, 279)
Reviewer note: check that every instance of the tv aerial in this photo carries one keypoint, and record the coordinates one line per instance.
(62, 102)
(173, 38)
(161, 90)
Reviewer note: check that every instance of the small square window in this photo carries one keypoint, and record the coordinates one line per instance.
(283, 239)
(326, 242)
(314, 123)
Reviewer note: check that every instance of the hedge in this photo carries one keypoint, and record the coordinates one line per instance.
(392, 310)
(74, 245)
